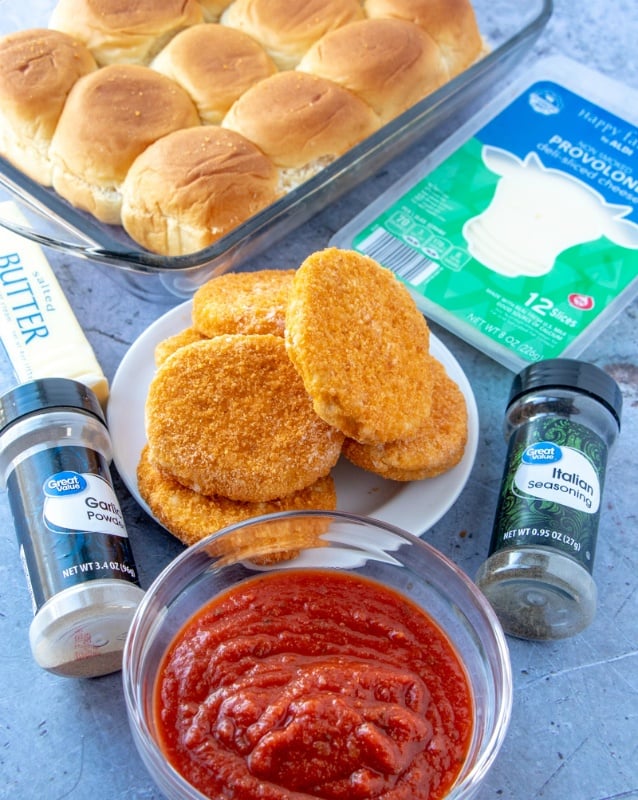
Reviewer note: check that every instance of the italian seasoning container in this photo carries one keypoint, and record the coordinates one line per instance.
(563, 415)
(55, 452)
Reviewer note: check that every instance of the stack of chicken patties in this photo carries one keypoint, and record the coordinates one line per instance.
(279, 374)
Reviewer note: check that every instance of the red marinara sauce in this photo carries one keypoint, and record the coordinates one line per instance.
(310, 683)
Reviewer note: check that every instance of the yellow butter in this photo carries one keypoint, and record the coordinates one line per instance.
(39, 330)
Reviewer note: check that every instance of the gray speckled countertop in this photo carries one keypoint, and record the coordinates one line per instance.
(574, 728)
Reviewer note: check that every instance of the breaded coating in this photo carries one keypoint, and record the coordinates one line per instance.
(168, 346)
(361, 346)
(243, 302)
(190, 516)
(230, 416)
(436, 448)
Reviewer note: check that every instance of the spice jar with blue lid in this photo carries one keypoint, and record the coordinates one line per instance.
(55, 453)
(563, 416)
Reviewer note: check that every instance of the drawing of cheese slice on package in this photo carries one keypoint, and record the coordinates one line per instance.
(536, 213)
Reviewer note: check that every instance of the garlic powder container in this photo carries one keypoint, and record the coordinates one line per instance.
(55, 452)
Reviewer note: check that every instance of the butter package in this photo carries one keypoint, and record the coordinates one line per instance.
(520, 233)
(39, 330)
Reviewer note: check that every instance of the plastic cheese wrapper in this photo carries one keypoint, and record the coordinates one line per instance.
(39, 330)
(520, 233)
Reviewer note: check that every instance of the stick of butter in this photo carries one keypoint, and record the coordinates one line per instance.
(39, 330)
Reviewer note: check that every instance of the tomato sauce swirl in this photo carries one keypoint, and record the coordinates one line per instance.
(313, 683)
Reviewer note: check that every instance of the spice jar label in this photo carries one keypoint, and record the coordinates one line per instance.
(75, 501)
(73, 525)
(558, 474)
(551, 492)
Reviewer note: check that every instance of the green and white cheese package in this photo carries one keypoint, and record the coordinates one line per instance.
(520, 233)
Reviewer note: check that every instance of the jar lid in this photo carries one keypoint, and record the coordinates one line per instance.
(569, 373)
(47, 393)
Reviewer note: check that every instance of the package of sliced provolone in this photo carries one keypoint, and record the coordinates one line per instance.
(520, 233)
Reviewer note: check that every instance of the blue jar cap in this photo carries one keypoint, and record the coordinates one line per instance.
(571, 374)
(47, 393)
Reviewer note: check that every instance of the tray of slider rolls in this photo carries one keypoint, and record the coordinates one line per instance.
(181, 137)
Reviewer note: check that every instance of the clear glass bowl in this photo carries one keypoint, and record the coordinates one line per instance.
(509, 29)
(357, 545)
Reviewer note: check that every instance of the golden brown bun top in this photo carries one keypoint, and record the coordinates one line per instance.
(193, 160)
(204, 181)
(114, 113)
(297, 118)
(215, 65)
(38, 67)
(124, 30)
(389, 63)
(287, 28)
(451, 23)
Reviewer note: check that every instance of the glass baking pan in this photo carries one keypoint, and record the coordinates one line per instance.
(509, 29)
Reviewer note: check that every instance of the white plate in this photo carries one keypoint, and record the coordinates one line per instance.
(414, 506)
